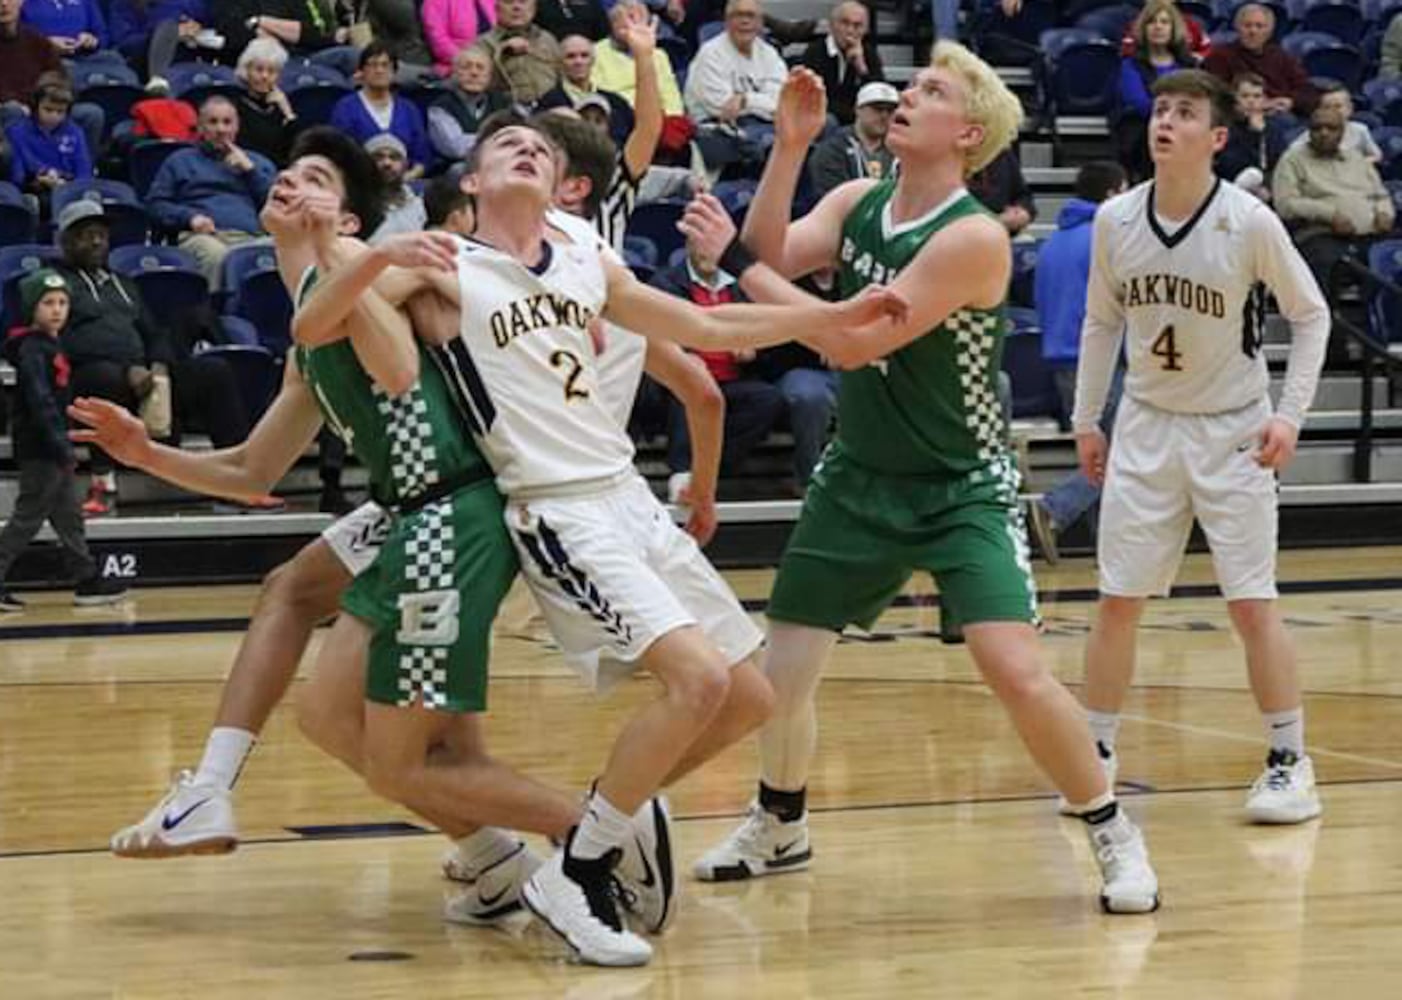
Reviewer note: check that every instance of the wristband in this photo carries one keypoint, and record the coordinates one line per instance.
(737, 259)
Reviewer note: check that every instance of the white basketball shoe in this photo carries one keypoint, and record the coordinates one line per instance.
(761, 845)
(576, 899)
(1285, 792)
(191, 819)
(647, 878)
(492, 892)
(1129, 883)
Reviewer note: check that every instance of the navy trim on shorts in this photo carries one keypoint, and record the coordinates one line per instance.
(550, 557)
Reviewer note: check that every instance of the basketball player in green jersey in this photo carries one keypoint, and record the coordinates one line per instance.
(918, 477)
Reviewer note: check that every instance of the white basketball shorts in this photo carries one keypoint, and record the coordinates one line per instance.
(1164, 469)
(357, 537)
(613, 575)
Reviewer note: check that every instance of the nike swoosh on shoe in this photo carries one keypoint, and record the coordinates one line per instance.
(169, 823)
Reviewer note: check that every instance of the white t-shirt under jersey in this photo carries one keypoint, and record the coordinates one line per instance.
(524, 369)
(1188, 296)
(620, 366)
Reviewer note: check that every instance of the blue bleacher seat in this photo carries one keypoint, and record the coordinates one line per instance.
(1385, 98)
(115, 100)
(1336, 62)
(639, 250)
(1109, 22)
(15, 263)
(1389, 140)
(98, 74)
(1005, 41)
(126, 216)
(1020, 291)
(146, 158)
(1034, 391)
(170, 280)
(678, 52)
(256, 370)
(1200, 10)
(1341, 18)
(314, 102)
(708, 31)
(1081, 72)
(1385, 308)
(18, 223)
(1301, 43)
(239, 331)
(194, 81)
(300, 73)
(657, 221)
(254, 291)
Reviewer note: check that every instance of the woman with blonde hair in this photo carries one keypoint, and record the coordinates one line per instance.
(1161, 47)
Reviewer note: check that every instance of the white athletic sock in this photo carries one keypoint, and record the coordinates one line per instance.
(1100, 809)
(224, 753)
(480, 850)
(1104, 726)
(601, 829)
(1286, 730)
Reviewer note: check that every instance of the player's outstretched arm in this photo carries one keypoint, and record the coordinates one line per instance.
(640, 35)
(813, 242)
(656, 315)
(1101, 335)
(687, 378)
(246, 471)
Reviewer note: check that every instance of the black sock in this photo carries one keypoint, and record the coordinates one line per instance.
(787, 806)
(1104, 814)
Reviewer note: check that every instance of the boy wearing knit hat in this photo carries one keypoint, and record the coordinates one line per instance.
(42, 449)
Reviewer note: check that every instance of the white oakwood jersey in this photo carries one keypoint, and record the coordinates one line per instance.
(1189, 297)
(620, 366)
(524, 369)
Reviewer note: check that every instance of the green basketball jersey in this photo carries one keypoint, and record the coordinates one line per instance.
(930, 409)
(409, 444)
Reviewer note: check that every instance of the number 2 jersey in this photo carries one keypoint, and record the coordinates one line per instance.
(524, 370)
(1189, 296)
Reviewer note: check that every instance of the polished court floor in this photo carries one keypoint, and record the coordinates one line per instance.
(941, 869)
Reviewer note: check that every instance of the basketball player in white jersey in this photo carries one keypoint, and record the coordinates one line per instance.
(1177, 263)
(621, 587)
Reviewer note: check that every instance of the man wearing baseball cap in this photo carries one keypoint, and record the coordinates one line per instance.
(857, 150)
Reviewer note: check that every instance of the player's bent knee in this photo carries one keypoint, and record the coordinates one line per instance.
(1252, 617)
(309, 584)
(751, 695)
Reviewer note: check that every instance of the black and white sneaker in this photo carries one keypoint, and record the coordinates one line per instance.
(761, 845)
(96, 590)
(646, 874)
(575, 898)
(9, 602)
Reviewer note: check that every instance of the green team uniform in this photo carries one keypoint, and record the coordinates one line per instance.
(918, 476)
(432, 592)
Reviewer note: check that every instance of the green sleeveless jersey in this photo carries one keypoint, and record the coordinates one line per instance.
(410, 444)
(930, 409)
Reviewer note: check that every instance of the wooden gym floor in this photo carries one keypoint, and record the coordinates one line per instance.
(941, 867)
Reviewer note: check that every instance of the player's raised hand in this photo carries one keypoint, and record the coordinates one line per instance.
(1091, 452)
(802, 113)
(112, 428)
(435, 251)
(1278, 441)
(707, 226)
(639, 31)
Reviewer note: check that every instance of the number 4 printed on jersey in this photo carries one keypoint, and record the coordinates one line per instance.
(1166, 346)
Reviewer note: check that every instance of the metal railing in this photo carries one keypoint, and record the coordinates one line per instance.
(1376, 359)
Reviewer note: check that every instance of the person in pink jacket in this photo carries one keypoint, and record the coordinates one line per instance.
(450, 25)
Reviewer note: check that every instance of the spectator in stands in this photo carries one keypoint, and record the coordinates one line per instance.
(452, 25)
(211, 194)
(1288, 87)
(1331, 197)
(1161, 47)
(375, 108)
(1390, 65)
(577, 86)
(25, 56)
(1255, 140)
(1199, 45)
(152, 34)
(857, 150)
(267, 122)
(76, 28)
(308, 29)
(1003, 190)
(752, 405)
(41, 446)
(455, 117)
(396, 25)
(1334, 96)
(614, 71)
(447, 206)
(117, 350)
(846, 59)
(47, 150)
(574, 17)
(732, 89)
(525, 57)
(404, 209)
(1063, 274)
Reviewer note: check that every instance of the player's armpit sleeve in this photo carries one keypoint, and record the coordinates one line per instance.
(1101, 334)
(1279, 264)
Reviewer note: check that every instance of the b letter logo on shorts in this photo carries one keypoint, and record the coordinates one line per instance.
(429, 618)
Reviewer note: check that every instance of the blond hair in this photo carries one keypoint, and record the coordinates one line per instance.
(988, 102)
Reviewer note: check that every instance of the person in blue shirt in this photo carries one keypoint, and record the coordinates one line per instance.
(1161, 47)
(1063, 274)
(150, 33)
(211, 194)
(75, 27)
(375, 108)
(46, 149)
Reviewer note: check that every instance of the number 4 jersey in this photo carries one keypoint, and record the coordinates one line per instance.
(524, 369)
(1189, 295)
